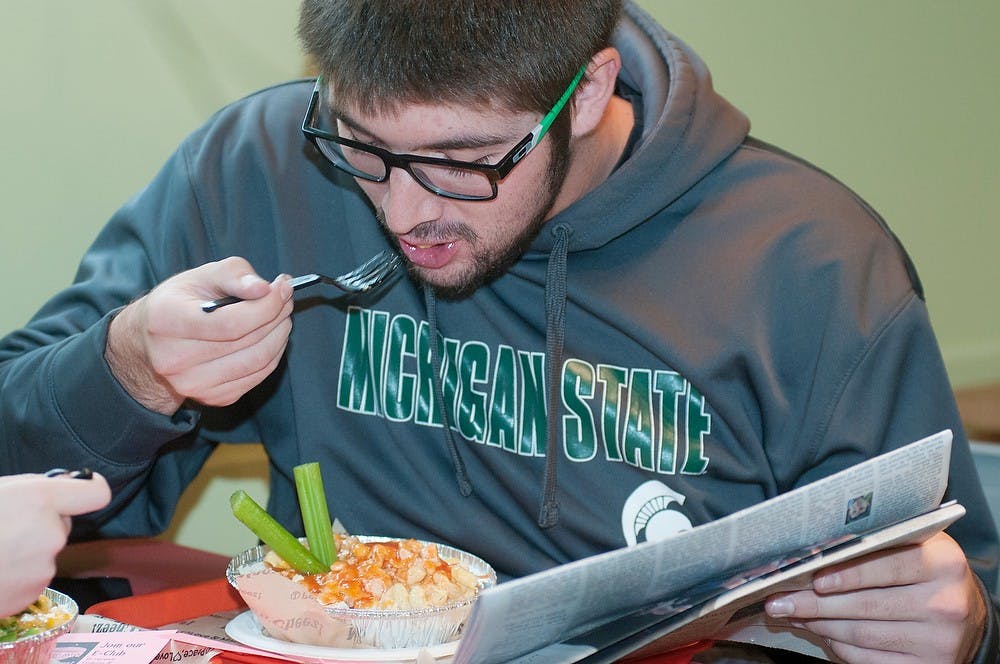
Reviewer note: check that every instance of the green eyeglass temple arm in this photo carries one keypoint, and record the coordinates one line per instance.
(543, 127)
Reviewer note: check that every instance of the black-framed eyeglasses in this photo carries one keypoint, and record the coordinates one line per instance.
(464, 180)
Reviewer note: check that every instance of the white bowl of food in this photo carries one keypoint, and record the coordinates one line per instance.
(380, 593)
(29, 637)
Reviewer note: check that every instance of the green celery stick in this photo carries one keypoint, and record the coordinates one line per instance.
(274, 534)
(315, 513)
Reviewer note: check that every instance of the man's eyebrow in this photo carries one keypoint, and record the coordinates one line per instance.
(469, 141)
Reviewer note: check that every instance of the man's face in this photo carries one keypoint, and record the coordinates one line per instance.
(456, 246)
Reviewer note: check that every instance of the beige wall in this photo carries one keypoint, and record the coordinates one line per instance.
(95, 96)
(897, 98)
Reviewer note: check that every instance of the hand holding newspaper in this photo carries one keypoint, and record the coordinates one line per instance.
(709, 582)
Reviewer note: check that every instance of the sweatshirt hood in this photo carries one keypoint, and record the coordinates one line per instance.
(688, 129)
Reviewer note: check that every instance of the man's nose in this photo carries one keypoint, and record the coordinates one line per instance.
(406, 203)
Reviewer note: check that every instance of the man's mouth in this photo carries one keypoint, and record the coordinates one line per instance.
(429, 255)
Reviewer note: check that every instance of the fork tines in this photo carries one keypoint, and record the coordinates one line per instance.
(370, 274)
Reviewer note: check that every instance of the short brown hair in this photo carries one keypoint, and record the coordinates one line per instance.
(516, 55)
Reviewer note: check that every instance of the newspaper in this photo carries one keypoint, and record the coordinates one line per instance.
(691, 584)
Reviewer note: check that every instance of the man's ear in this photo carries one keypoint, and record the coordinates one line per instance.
(595, 91)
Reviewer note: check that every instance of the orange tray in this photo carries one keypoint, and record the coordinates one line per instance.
(155, 609)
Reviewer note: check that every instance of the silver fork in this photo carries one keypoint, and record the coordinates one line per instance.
(369, 275)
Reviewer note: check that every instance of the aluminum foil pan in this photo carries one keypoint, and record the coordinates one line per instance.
(366, 628)
(38, 648)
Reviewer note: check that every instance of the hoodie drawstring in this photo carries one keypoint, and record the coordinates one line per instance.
(555, 336)
(461, 476)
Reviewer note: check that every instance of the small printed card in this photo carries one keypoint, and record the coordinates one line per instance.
(140, 647)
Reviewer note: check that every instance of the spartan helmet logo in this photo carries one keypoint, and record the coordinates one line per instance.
(650, 513)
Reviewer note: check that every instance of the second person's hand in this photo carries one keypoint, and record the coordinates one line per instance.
(164, 349)
(37, 511)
